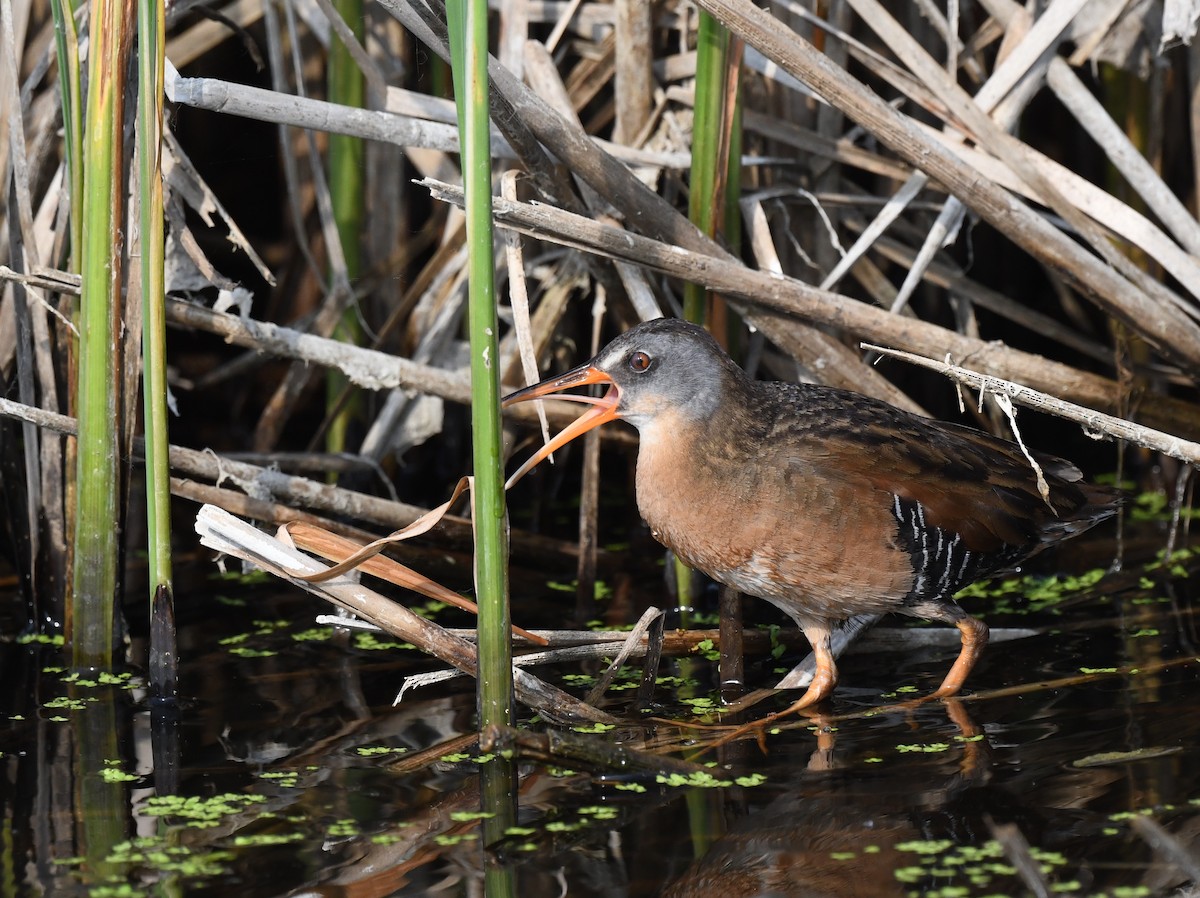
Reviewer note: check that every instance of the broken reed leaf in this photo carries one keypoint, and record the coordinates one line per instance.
(348, 555)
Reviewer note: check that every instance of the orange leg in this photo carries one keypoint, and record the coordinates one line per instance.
(823, 682)
(974, 639)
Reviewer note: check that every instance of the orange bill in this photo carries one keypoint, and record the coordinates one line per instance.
(605, 409)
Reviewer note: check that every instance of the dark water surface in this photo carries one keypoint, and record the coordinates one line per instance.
(295, 775)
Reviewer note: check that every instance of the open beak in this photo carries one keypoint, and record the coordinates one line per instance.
(605, 409)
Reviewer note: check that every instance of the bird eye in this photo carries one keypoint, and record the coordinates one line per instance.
(639, 361)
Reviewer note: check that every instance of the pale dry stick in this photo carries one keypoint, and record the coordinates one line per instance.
(261, 483)
(633, 82)
(1160, 322)
(1141, 289)
(837, 364)
(1121, 152)
(346, 554)
(1167, 845)
(1093, 422)
(543, 76)
(518, 300)
(792, 297)
(441, 301)
(633, 645)
(891, 210)
(560, 27)
(222, 532)
(1029, 54)
(34, 360)
(368, 368)
(820, 351)
(954, 281)
(1086, 44)
(190, 45)
(1099, 205)
(337, 292)
(1016, 849)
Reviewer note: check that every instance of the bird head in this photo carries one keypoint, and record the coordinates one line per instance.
(657, 370)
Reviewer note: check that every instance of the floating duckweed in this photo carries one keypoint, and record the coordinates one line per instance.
(41, 639)
(597, 727)
(67, 703)
(700, 778)
(370, 751)
(315, 634)
(385, 839)
(927, 747)
(154, 852)
(456, 757)
(468, 816)
(977, 738)
(246, 652)
(675, 682)
(342, 829)
(706, 649)
(563, 826)
(599, 811)
(843, 855)
(629, 787)
(1098, 670)
(1144, 631)
(1129, 815)
(202, 812)
(246, 578)
(263, 839)
(112, 772)
(520, 831)
(366, 641)
(872, 760)
(926, 846)
(120, 890)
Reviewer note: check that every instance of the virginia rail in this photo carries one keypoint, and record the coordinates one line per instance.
(825, 502)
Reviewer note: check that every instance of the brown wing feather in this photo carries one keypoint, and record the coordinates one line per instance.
(968, 482)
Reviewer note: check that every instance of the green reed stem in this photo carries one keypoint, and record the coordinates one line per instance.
(97, 523)
(151, 31)
(712, 188)
(467, 20)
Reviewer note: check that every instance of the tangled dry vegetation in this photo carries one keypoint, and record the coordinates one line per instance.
(973, 183)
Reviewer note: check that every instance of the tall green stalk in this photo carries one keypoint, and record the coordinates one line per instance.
(151, 31)
(467, 20)
(347, 190)
(97, 522)
(705, 202)
(712, 188)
